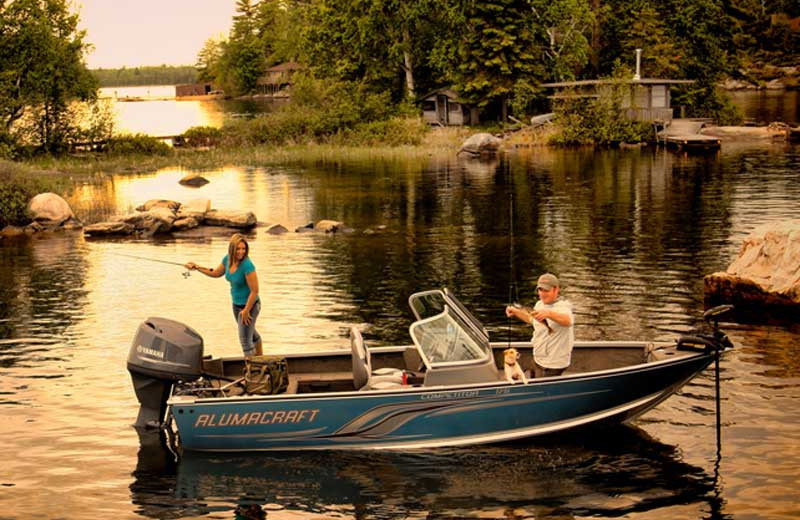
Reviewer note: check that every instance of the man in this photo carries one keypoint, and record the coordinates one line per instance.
(553, 328)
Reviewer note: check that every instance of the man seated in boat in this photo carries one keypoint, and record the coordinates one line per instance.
(553, 327)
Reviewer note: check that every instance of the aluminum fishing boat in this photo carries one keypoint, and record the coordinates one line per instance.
(447, 388)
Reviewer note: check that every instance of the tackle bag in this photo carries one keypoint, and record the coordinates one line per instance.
(266, 375)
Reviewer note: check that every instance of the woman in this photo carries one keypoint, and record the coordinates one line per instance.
(241, 273)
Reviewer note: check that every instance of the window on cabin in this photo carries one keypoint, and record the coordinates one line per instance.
(428, 106)
(454, 107)
(659, 96)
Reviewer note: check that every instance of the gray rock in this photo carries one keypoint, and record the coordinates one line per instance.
(159, 203)
(230, 218)
(49, 209)
(276, 229)
(117, 227)
(767, 270)
(12, 232)
(196, 208)
(481, 143)
(328, 226)
(194, 180)
(184, 223)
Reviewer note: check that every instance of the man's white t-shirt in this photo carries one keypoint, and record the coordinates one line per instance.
(553, 349)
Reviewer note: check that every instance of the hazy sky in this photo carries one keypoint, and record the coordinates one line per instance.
(151, 32)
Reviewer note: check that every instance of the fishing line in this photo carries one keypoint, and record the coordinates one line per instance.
(186, 274)
(513, 292)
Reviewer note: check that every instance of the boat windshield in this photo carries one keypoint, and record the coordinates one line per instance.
(446, 339)
(430, 303)
(427, 303)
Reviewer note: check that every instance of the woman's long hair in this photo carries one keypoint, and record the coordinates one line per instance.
(235, 239)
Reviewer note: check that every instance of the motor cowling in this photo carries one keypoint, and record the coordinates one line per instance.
(163, 351)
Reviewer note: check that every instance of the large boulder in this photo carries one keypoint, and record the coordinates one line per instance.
(765, 274)
(159, 203)
(49, 209)
(230, 218)
(195, 208)
(481, 144)
(158, 219)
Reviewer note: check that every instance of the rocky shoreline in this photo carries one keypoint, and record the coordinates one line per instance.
(51, 213)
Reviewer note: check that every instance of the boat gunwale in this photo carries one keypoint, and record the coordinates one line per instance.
(185, 400)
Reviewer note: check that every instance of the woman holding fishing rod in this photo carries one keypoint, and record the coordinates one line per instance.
(241, 274)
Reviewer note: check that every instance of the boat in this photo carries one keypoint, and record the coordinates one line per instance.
(446, 388)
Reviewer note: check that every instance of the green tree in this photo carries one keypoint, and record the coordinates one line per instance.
(387, 44)
(637, 24)
(561, 27)
(244, 56)
(497, 50)
(42, 71)
(209, 60)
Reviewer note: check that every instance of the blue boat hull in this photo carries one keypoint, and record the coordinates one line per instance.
(422, 417)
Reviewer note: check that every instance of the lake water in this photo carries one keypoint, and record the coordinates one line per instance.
(630, 232)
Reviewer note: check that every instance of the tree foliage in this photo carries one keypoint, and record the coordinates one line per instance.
(139, 76)
(496, 52)
(42, 72)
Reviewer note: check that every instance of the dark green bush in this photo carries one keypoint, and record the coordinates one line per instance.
(396, 131)
(598, 121)
(137, 144)
(16, 190)
(202, 136)
(320, 110)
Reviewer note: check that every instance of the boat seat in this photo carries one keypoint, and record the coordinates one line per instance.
(364, 378)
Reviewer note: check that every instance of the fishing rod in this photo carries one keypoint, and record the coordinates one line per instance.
(186, 274)
(513, 289)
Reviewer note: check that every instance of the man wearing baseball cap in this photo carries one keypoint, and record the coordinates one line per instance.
(553, 328)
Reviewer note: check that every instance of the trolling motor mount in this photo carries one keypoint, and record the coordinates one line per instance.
(717, 341)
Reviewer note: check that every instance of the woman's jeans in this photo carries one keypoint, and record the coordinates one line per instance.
(248, 336)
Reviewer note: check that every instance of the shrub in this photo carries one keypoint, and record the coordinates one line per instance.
(319, 110)
(396, 131)
(17, 188)
(137, 144)
(601, 120)
(202, 136)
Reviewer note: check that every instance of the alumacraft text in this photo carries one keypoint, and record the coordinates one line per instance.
(210, 420)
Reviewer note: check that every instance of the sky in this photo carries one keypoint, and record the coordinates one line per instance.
(132, 33)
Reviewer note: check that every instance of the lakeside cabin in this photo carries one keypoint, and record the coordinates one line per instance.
(647, 99)
(444, 107)
(276, 80)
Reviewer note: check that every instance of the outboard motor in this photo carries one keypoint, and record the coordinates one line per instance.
(163, 351)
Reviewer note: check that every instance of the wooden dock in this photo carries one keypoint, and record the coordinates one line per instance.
(691, 142)
(684, 134)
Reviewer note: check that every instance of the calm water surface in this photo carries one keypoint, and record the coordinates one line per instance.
(631, 233)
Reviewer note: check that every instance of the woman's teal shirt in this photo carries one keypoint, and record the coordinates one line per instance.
(239, 289)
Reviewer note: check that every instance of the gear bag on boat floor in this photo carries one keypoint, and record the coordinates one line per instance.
(266, 375)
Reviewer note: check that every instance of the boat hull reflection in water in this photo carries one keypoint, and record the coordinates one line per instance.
(621, 468)
(444, 390)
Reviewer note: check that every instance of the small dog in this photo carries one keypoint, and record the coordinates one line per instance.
(511, 366)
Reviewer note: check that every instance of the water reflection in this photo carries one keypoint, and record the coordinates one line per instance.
(153, 110)
(605, 474)
(630, 232)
